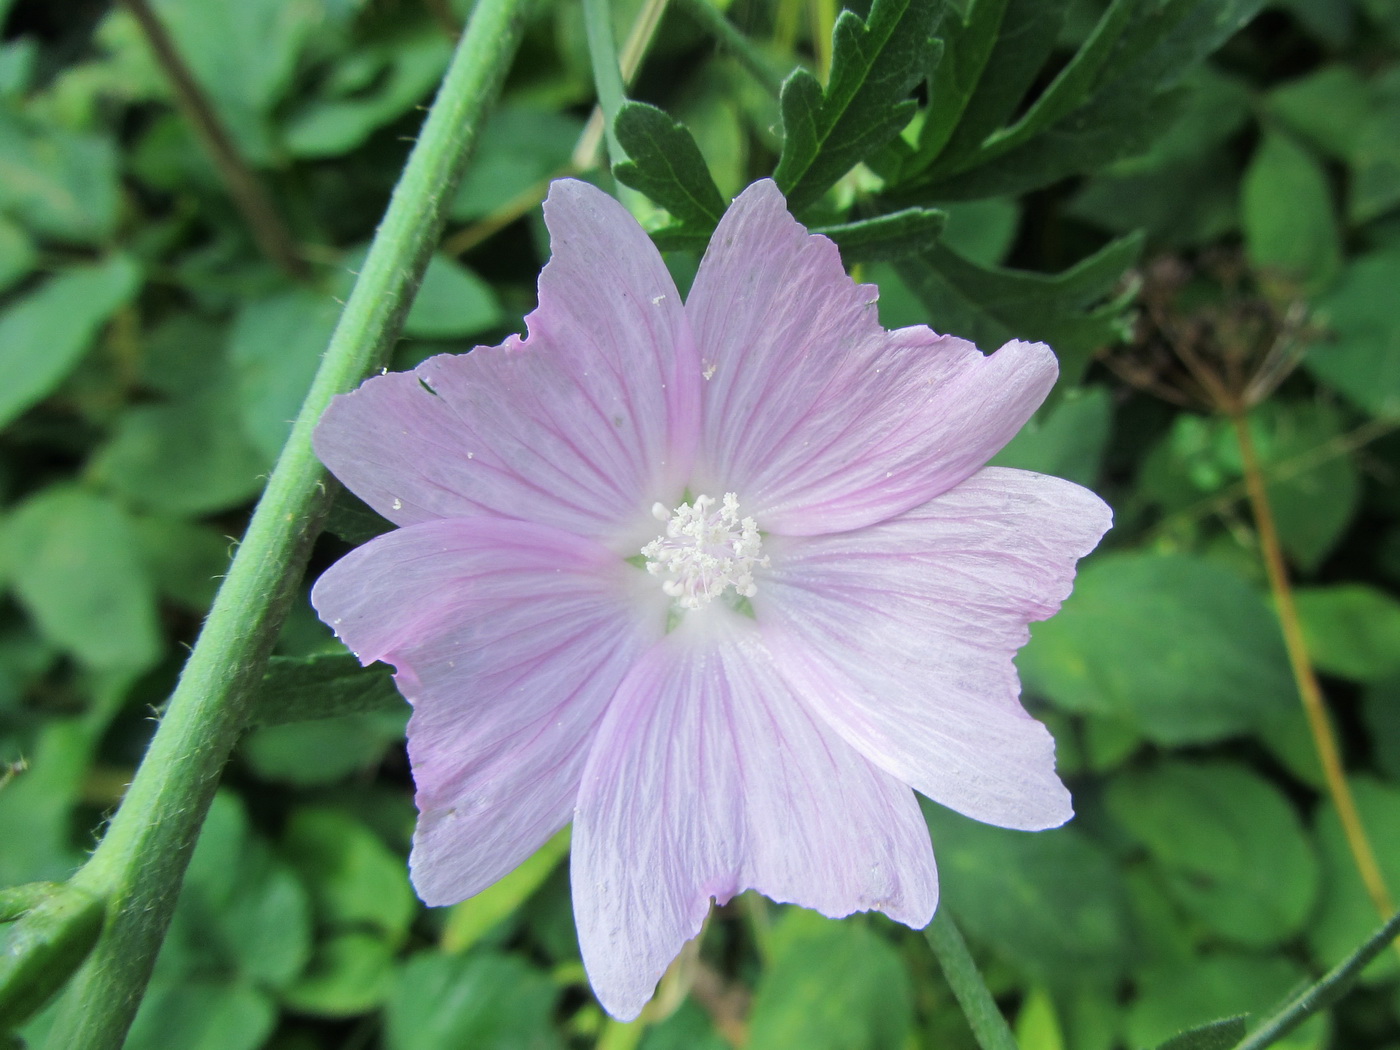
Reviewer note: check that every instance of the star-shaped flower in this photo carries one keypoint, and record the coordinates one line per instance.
(722, 581)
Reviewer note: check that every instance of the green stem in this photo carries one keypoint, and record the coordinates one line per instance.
(607, 72)
(745, 52)
(988, 1026)
(138, 867)
(1325, 992)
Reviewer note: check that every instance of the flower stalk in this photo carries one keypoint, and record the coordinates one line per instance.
(138, 867)
(989, 1027)
(1303, 673)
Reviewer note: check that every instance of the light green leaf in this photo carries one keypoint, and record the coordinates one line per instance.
(185, 457)
(452, 301)
(1067, 440)
(521, 147)
(46, 333)
(350, 973)
(323, 751)
(475, 917)
(1361, 359)
(830, 985)
(1215, 1035)
(1175, 645)
(77, 570)
(355, 880)
(274, 349)
(202, 1013)
(17, 254)
(1052, 904)
(1290, 224)
(1352, 630)
(58, 183)
(1227, 844)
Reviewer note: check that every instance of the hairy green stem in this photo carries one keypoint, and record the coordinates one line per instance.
(607, 71)
(988, 1026)
(1325, 992)
(138, 867)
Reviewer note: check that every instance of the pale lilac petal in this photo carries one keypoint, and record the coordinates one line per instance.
(901, 636)
(582, 425)
(509, 639)
(708, 777)
(815, 416)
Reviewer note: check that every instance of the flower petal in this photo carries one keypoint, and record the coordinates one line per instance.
(509, 639)
(815, 416)
(581, 425)
(901, 636)
(708, 777)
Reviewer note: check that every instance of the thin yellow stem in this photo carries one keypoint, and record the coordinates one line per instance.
(1308, 688)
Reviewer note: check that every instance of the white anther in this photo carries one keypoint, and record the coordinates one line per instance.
(705, 551)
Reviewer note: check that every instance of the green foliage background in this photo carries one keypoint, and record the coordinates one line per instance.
(1116, 179)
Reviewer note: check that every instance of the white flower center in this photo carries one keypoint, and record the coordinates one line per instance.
(705, 551)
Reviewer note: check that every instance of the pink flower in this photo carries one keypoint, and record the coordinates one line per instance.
(723, 582)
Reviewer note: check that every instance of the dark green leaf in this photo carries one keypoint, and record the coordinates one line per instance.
(1217, 1035)
(45, 334)
(891, 236)
(296, 689)
(353, 521)
(666, 165)
(1067, 440)
(875, 64)
(323, 751)
(1076, 311)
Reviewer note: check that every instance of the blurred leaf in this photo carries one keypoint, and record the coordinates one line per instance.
(353, 521)
(1328, 107)
(58, 183)
(46, 333)
(186, 560)
(244, 56)
(1227, 844)
(1216, 1035)
(689, 1028)
(1066, 440)
(1290, 226)
(1217, 985)
(982, 231)
(78, 572)
(521, 147)
(1381, 708)
(17, 254)
(451, 301)
(323, 751)
(355, 881)
(202, 1013)
(350, 973)
(274, 349)
(1176, 645)
(1052, 904)
(326, 685)
(241, 913)
(891, 236)
(388, 79)
(875, 64)
(1037, 1027)
(185, 457)
(1076, 311)
(476, 916)
(830, 985)
(665, 163)
(1352, 630)
(1345, 916)
(1376, 160)
(1362, 357)
(484, 1001)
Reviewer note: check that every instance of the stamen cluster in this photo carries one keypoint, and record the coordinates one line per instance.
(704, 552)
